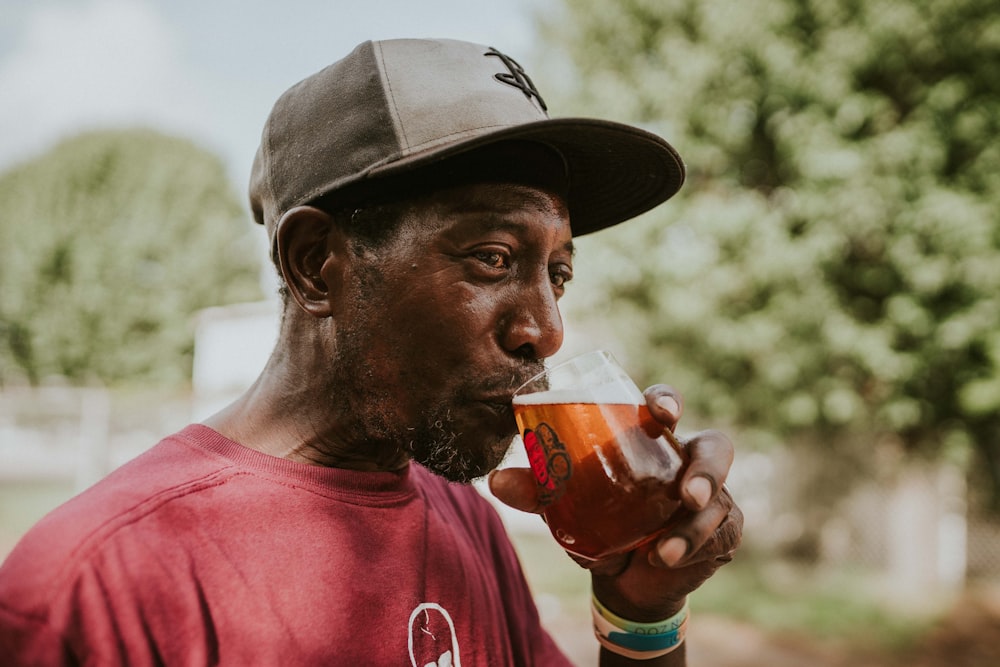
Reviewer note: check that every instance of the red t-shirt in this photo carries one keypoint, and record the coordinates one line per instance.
(202, 551)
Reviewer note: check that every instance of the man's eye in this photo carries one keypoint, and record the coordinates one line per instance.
(495, 260)
(560, 277)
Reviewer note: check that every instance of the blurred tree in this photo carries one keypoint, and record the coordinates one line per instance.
(109, 244)
(831, 271)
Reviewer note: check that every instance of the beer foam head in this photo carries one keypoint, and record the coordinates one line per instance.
(611, 393)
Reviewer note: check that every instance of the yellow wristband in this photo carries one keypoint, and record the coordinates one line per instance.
(639, 641)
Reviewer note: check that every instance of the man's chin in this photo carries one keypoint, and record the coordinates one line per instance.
(458, 464)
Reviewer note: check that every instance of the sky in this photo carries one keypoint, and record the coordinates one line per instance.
(208, 70)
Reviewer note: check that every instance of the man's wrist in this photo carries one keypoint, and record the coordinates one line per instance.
(647, 611)
(639, 640)
(676, 658)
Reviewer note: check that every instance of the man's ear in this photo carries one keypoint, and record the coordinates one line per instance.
(310, 250)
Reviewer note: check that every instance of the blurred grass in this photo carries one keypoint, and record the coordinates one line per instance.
(775, 597)
(823, 603)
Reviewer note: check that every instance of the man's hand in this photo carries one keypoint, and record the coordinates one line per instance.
(652, 582)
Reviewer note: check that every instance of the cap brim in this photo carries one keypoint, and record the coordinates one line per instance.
(616, 171)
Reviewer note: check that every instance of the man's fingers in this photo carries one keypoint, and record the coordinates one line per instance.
(515, 487)
(710, 455)
(714, 533)
(665, 404)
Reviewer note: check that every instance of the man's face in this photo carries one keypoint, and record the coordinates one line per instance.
(445, 320)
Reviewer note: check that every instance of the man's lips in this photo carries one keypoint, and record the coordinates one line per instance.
(501, 409)
(497, 393)
(499, 404)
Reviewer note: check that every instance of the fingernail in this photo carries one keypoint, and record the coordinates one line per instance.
(669, 404)
(672, 550)
(700, 490)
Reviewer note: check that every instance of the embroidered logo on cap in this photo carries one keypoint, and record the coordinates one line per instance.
(515, 76)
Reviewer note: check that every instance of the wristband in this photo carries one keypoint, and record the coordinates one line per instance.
(639, 641)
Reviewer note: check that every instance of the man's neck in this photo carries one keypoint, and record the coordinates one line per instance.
(281, 416)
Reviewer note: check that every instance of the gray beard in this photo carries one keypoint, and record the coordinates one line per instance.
(437, 447)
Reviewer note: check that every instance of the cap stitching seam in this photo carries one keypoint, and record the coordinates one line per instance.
(391, 96)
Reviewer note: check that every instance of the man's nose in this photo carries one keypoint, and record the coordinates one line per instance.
(534, 326)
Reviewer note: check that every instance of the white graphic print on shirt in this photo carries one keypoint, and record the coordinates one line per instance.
(433, 642)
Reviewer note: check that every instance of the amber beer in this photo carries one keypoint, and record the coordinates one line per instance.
(607, 472)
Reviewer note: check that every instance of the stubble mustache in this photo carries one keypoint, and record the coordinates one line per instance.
(437, 445)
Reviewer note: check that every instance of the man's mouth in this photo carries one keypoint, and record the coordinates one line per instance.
(500, 405)
(498, 394)
(501, 414)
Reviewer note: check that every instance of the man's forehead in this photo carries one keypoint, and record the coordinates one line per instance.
(490, 207)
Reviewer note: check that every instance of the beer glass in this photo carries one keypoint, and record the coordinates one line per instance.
(607, 471)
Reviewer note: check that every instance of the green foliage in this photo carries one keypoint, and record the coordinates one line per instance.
(832, 266)
(108, 246)
(837, 605)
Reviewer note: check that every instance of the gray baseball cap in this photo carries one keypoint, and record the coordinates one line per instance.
(402, 107)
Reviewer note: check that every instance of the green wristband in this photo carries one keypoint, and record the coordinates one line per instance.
(639, 640)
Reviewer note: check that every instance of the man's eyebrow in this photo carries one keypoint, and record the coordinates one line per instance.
(500, 223)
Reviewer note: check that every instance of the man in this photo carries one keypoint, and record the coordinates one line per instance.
(420, 207)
